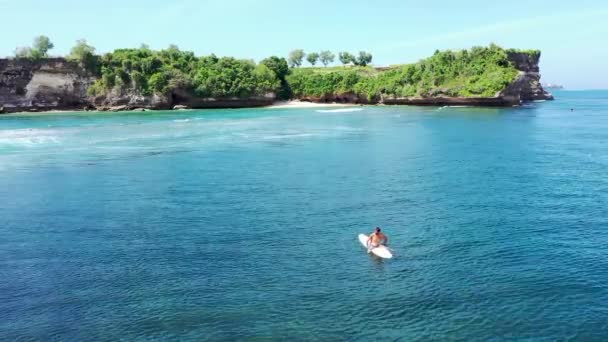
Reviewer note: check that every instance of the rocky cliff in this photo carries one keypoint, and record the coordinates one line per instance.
(50, 84)
(57, 84)
(527, 86)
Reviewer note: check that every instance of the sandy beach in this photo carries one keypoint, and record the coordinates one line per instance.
(306, 104)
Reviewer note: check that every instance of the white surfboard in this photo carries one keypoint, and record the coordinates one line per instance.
(380, 251)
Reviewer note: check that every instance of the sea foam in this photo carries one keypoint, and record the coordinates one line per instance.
(341, 110)
(28, 137)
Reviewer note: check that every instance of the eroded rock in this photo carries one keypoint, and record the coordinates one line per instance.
(49, 84)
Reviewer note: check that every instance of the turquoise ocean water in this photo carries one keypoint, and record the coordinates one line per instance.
(242, 224)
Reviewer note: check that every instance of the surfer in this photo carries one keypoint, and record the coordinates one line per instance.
(376, 239)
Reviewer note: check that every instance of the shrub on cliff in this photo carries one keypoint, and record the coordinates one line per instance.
(363, 59)
(312, 58)
(295, 58)
(39, 49)
(84, 54)
(326, 57)
(42, 45)
(345, 57)
(228, 77)
(277, 65)
(309, 82)
(280, 68)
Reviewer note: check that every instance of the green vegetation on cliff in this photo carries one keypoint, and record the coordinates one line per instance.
(39, 49)
(148, 71)
(84, 54)
(478, 72)
(533, 53)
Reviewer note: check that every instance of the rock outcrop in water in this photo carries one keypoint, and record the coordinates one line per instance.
(58, 84)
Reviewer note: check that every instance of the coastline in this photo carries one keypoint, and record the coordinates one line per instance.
(291, 104)
(437, 101)
(40, 86)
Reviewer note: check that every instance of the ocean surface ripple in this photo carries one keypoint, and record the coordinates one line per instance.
(242, 224)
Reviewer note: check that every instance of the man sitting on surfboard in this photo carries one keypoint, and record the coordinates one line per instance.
(376, 239)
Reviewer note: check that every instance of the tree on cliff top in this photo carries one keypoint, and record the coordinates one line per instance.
(326, 57)
(363, 59)
(40, 49)
(346, 58)
(81, 50)
(278, 65)
(312, 58)
(295, 58)
(281, 69)
(42, 45)
(84, 54)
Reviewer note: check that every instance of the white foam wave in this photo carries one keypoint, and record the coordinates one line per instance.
(114, 140)
(28, 137)
(346, 128)
(444, 107)
(288, 136)
(341, 110)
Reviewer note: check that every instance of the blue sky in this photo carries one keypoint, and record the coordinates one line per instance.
(571, 34)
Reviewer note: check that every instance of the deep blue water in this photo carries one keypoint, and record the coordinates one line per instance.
(242, 224)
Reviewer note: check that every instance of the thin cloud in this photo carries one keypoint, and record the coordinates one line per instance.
(493, 30)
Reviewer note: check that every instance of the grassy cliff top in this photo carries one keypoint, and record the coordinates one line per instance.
(477, 72)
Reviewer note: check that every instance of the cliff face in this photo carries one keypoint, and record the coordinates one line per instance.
(527, 86)
(57, 84)
(42, 85)
(126, 100)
